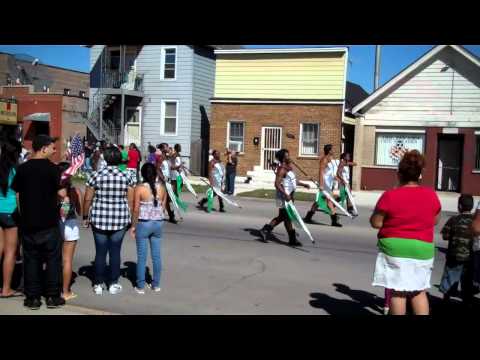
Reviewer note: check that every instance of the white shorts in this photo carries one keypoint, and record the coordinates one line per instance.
(70, 230)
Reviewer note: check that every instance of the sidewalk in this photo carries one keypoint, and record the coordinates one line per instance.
(14, 306)
(362, 198)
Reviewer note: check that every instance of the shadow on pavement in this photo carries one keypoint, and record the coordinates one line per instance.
(364, 303)
(258, 237)
(130, 273)
(87, 271)
(361, 303)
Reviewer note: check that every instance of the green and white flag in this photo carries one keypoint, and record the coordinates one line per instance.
(322, 197)
(209, 199)
(297, 219)
(177, 203)
(352, 201)
(187, 183)
(180, 202)
(220, 194)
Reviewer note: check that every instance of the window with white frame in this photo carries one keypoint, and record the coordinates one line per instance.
(236, 135)
(309, 135)
(169, 117)
(169, 64)
(390, 147)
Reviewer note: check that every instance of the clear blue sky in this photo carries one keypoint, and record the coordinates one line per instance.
(360, 70)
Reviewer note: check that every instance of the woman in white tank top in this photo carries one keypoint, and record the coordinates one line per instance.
(147, 224)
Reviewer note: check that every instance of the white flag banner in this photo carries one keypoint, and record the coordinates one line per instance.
(187, 183)
(337, 205)
(350, 196)
(222, 195)
(173, 198)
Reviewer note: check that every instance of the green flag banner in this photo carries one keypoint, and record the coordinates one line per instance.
(209, 199)
(321, 200)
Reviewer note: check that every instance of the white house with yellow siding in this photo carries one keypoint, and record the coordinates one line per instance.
(268, 99)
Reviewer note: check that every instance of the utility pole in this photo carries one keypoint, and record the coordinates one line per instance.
(376, 83)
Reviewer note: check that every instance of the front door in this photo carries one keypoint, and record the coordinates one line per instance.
(133, 126)
(271, 143)
(450, 155)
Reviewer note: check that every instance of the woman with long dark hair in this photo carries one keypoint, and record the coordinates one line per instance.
(70, 208)
(10, 152)
(406, 217)
(150, 199)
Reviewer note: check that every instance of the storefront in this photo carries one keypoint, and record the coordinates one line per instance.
(8, 119)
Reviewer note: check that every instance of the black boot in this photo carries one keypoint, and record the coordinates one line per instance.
(201, 204)
(308, 217)
(292, 239)
(335, 221)
(171, 216)
(265, 232)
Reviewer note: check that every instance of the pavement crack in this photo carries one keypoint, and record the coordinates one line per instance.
(263, 268)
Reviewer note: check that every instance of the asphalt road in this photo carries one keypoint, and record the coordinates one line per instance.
(215, 264)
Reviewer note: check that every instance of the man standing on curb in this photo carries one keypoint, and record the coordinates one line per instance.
(37, 184)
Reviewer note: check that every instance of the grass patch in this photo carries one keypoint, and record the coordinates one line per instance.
(199, 189)
(271, 194)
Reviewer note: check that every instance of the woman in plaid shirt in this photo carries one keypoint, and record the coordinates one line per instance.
(109, 214)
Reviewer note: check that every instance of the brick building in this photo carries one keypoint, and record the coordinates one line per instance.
(55, 114)
(268, 99)
(55, 99)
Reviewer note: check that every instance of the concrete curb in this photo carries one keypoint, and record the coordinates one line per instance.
(67, 308)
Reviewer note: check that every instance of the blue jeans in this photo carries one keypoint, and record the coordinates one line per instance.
(148, 231)
(230, 183)
(107, 242)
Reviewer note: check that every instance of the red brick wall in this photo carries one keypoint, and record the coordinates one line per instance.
(38, 103)
(378, 178)
(288, 117)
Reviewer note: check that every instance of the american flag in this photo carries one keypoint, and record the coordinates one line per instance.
(77, 156)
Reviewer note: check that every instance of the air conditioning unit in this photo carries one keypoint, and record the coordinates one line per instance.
(235, 146)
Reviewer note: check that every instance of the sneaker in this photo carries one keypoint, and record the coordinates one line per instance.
(55, 302)
(140, 291)
(222, 210)
(156, 289)
(32, 303)
(98, 289)
(115, 289)
(386, 310)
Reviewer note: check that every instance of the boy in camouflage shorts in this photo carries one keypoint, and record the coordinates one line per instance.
(458, 267)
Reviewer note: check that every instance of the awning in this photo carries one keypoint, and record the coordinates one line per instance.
(45, 117)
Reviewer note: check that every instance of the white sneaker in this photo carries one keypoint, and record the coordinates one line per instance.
(98, 289)
(115, 289)
(156, 289)
(386, 310)
(140, 291)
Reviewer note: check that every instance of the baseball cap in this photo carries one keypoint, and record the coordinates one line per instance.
(42, 140)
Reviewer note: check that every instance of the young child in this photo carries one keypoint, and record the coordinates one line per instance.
(458, 232)
(70, 208)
